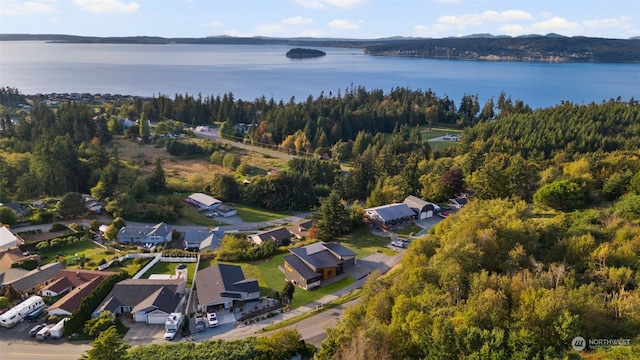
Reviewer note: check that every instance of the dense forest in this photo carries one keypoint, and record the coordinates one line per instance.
(475, 47)
(546, 250)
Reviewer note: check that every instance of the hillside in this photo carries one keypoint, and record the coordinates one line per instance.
(549, 48)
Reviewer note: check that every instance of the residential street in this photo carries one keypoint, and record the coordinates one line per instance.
(16, 345)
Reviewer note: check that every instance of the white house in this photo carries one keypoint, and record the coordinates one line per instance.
(145, 235)
(8, 239)
(226, 210)
(203, 201)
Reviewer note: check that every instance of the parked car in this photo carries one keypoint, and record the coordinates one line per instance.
(43, 334)
(398, 243)
(200, 324)
(170, 334)
(34, 330)
(212, 318)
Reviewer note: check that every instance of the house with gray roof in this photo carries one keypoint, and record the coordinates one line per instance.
(422, 209)
(30, 282)
(387, 216)
(307, 266)
(279, 235)
(156, 234)
(202, 240)
(149, 301)
(224, 285)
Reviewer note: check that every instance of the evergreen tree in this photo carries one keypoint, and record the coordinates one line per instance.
(108, 346)
(332, 219)
(157, 182)
(143, 126)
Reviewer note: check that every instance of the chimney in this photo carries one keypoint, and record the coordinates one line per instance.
(78, 275)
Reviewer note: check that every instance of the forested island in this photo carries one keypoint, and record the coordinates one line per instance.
(547, 48)
(546, 249)
(300, 53)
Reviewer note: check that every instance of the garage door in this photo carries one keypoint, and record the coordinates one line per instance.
(430, 213)
(157, 318)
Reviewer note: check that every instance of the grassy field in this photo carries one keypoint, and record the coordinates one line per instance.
(89, 249)
(169, 268)
(128, 265)
(253, 214)
(364, 243)
(407, 230)
(437, 132)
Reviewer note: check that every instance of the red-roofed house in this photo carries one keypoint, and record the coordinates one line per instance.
(69, 303)
(68, 279)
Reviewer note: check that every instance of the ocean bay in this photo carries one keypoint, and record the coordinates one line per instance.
(252, 71)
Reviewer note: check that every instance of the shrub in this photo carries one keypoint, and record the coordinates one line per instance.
(57, 227)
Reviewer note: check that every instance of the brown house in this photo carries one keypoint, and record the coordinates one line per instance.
(307, 266)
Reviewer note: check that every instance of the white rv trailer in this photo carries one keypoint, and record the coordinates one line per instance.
(17, 313)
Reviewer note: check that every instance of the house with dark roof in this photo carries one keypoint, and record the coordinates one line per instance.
(68, 279)
(279, 235)
(202, 240)
(422, 209)
(203, 201)
(17, 208)
(458, 202)
(156, 234)
(387, 216)
(70, 302)
(307, 266)
(301, 229)
(149, 301)
(30, 282)
(223, 285)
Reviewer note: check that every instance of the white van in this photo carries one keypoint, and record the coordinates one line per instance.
(43, 333)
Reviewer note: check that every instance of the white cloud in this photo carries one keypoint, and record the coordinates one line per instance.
(462, 21)
(106, 6)
(322, 4)
(297, 20)
(557, 25)
(618, 22)
(25, 8)
(344, 24)
(212, 24)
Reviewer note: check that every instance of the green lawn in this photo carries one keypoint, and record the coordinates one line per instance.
(92, 251)
(127, 265)
(407, 230)
(364, 243)
(437, 132)
(170, 269)
(253, 214)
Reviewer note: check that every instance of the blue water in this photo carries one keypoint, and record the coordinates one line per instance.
(251, 71)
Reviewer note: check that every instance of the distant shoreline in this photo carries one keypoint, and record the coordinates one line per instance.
(534, 48)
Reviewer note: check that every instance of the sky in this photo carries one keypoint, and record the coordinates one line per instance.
(354, 19)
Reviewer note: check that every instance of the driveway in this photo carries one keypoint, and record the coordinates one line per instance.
(141, 333)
